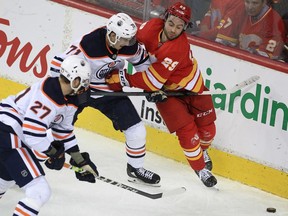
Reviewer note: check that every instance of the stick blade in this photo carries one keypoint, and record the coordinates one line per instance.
(167, 193)
(174, 192)
(251, 80)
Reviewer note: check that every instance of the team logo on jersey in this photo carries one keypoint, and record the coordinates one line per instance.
(114, 56)
(24, 173)
(195, 140)
(58, 119)
(105, 69)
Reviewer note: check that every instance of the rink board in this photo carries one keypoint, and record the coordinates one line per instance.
(251, 141)
(166, 145)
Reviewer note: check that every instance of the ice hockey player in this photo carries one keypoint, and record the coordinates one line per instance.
(24, 123)
(106, 49)
(174, 68)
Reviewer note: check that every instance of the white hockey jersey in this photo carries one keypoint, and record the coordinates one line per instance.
(37, 109)
(102, 58)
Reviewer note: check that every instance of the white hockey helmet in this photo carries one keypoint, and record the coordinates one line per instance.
(76, 67)
(123, 26)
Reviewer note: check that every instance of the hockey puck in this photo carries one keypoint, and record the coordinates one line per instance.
(271, 210)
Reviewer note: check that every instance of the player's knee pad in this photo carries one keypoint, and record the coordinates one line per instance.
(207, 133)
(187, 136)
(4, 186)
(37, 192)
(136, 135)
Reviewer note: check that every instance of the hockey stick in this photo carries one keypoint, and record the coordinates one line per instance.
(129, 188)
(237, 87)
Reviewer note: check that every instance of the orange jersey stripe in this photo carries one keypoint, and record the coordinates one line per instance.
(188, 78)
(34, 127)
(16, 141)
(57, 64)
(156, 74)
(30, 162)
(148, 83)
(61, 137)
(40, 155)
(199, 84)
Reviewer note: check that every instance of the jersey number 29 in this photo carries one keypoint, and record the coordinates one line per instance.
(169, 64)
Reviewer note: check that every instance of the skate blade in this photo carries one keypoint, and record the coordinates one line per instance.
(215, 187)
(140, 182)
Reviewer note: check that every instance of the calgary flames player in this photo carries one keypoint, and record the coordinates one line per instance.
(174, 68)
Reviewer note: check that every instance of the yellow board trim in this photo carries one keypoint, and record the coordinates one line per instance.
(224, 164)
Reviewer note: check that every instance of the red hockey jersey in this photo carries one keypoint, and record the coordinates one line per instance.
(223, 21)
(173, 65)
(265, 36)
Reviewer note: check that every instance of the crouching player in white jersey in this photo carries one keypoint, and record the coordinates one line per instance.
(24, 121)
(106, 49)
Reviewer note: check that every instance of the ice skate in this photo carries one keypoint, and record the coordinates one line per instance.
(206, 177)
(207, 160)
(142, 176)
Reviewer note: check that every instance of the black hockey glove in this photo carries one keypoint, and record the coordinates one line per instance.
(56, 154)
(90, 168)
(157, 96)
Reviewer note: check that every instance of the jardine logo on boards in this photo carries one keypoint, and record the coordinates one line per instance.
(256, 105)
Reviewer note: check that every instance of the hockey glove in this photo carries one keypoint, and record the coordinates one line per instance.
(117, 79)
(90, 168)
(56, 154)
(157, 96)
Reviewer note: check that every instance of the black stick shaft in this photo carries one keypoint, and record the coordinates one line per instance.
(103, 93)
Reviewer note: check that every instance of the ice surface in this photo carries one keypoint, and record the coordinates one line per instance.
(71, 197)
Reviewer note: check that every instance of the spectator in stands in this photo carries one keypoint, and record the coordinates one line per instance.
(199, 8)
(281, 6)
(263, 30)
(222, 22)
(285, 50)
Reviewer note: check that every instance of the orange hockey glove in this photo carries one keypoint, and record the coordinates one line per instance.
(117, 79)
